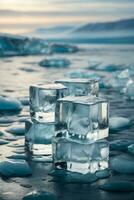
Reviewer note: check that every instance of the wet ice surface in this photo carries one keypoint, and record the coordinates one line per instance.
(16, 83)
(38, 195)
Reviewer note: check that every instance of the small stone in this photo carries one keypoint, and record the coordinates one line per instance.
(7, 120)
(18, 156)
(131, 148)
(102, 174)
(118, 186)
(15, 168)
(2, 142)
(118, 123)
(9, 104)
(18, 130)
(120, 145)
(2, 133)
(19, 151)
(122, 165)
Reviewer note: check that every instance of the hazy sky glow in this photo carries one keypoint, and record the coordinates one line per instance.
(19, 16)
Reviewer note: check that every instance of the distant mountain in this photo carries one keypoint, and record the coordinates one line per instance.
(53, 29)
(126, 25)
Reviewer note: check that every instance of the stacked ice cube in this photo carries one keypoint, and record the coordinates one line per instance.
(81, 128)
(70, 112)
(40, 129)
(81, 87)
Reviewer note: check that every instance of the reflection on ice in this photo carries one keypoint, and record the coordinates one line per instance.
(38, 195)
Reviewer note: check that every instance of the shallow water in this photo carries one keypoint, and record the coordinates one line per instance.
(17, 73)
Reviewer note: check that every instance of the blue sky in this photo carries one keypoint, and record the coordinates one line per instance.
(20, 16)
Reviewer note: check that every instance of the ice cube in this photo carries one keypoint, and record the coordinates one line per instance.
(64, 48)
(34, 46)
(82, 74)
(109, 67)
(124, 74)
(83, 118)
(38, 137)
(58, 63)
(43, 99)
(130, 90)
(81, 87)
(120, 80)
(80, 156)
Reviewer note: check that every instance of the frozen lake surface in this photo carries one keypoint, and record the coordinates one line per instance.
(18, 73)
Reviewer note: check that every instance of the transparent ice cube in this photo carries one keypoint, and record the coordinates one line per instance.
(81, 87)
(79, 156)
(38, 137)
(43, 99)
(83, 118)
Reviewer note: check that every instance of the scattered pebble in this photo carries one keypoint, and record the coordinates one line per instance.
(117, 123)
(2, 133)
(118, 186)
(120, 145)
(131, 149)
(122, 165)
(9, 104)
(2, 142)
(7, 136)
(19, 151)
(102, 174)
(18, 156)
(7, 120)
(15, 168)
(18, 130)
